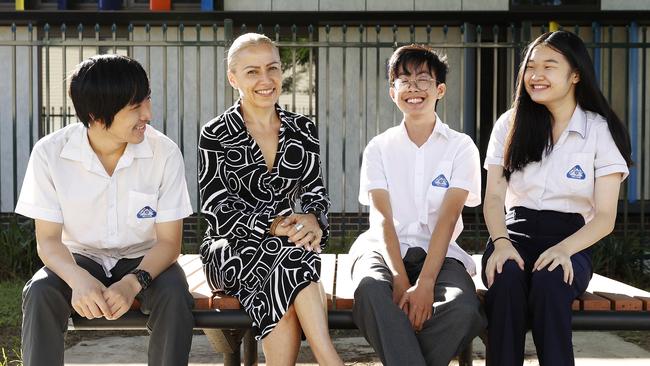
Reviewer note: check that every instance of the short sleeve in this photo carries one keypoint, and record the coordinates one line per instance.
(466, 172)
(174, 199)
(496, 146)
(38, 198)
(608, 159)
(372, 172)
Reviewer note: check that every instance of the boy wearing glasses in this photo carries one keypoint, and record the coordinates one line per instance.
(415, 301)
(108, 196)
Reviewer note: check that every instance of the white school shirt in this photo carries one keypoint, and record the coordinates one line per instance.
(563, 180)
(417, 180)
(105, 218)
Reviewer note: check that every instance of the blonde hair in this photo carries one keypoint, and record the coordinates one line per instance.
(244, 41)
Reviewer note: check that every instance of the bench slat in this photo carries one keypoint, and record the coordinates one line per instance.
(344, 291)
(592, 302)
(621, 302)
(327, 273)
(646, 302)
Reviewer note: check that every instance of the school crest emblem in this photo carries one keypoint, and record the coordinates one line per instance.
(576, 173)
(440, 181)
(146, 213)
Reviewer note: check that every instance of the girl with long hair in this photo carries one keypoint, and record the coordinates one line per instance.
(556, 161)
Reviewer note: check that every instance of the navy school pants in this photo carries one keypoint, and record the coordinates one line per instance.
(540, 300)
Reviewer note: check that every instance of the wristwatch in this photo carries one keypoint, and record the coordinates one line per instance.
(321, 217)
(144, 278)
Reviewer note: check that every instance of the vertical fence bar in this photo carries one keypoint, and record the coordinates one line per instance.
(215, 35)
(632, 104)
(327, 103)
(14, 124)
(445, 34)
(114, 37)
(310, 81)
(46, 31)
(626, 118)
(181, 88)
(477, 127)
(64, 100)
(362, 140)
(377, 76)
(30, 60)
(294, 31)
(394, 29)
(147, 30)
(164, 74)
(511, 70)
(97, 38)
(229, 37)
(197, 227)
(644, 84)
(462, 77)
(344, 119)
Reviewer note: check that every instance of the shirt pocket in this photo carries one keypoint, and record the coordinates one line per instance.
(142, 212)
(578, 173)
(438, 187)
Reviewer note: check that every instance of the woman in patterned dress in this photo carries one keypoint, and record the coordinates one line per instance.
(255, 161)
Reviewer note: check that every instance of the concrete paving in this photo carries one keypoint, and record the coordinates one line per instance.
(591, 349)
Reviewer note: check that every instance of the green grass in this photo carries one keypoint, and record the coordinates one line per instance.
(10, 319)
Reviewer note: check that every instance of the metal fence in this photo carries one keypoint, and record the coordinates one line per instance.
(334, 74)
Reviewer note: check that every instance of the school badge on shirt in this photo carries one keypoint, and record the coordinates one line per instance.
(146, 213)
(440, 181)
(576, 173)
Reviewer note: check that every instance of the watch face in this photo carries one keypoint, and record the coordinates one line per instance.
(144, 278)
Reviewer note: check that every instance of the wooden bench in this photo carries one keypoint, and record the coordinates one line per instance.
(607, 305)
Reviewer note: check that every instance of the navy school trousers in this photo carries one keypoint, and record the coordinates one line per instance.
(539, 300)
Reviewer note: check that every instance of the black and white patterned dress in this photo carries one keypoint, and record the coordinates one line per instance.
(240, 198)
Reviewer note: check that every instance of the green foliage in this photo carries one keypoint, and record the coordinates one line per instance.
(10, 300)
(10, 358)
(10, 319)
(622, 258)
(19, 258)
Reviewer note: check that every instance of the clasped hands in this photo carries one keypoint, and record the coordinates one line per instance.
(302, 229)
(416, 301)
(91, 299)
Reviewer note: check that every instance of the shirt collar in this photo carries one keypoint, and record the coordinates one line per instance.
(78, 148)
(440, 128)
(578, 122)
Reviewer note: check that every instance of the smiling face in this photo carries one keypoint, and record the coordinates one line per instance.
(549, 78)
(129, 123)
(256, 73)
(416, 92)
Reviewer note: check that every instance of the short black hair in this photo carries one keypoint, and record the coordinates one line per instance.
(416, 55)
(102, 85)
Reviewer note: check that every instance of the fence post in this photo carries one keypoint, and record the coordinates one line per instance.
(229, 38)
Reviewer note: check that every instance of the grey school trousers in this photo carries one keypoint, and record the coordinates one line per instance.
(46, 309)
(456, 319)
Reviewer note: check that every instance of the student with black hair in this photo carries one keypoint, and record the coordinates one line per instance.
(108, 196)
(556, 161)
(415, 301)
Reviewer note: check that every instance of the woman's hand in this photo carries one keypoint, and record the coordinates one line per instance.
(503, 251)
(554, 256)
(303, 230)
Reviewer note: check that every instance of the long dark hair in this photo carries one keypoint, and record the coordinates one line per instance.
(531, 133)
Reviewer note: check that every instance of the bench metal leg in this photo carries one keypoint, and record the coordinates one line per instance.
(231, 359)
(250, 349)
(465, 357)
(228, 342)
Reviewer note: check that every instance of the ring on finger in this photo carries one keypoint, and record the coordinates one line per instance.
(298, 226)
